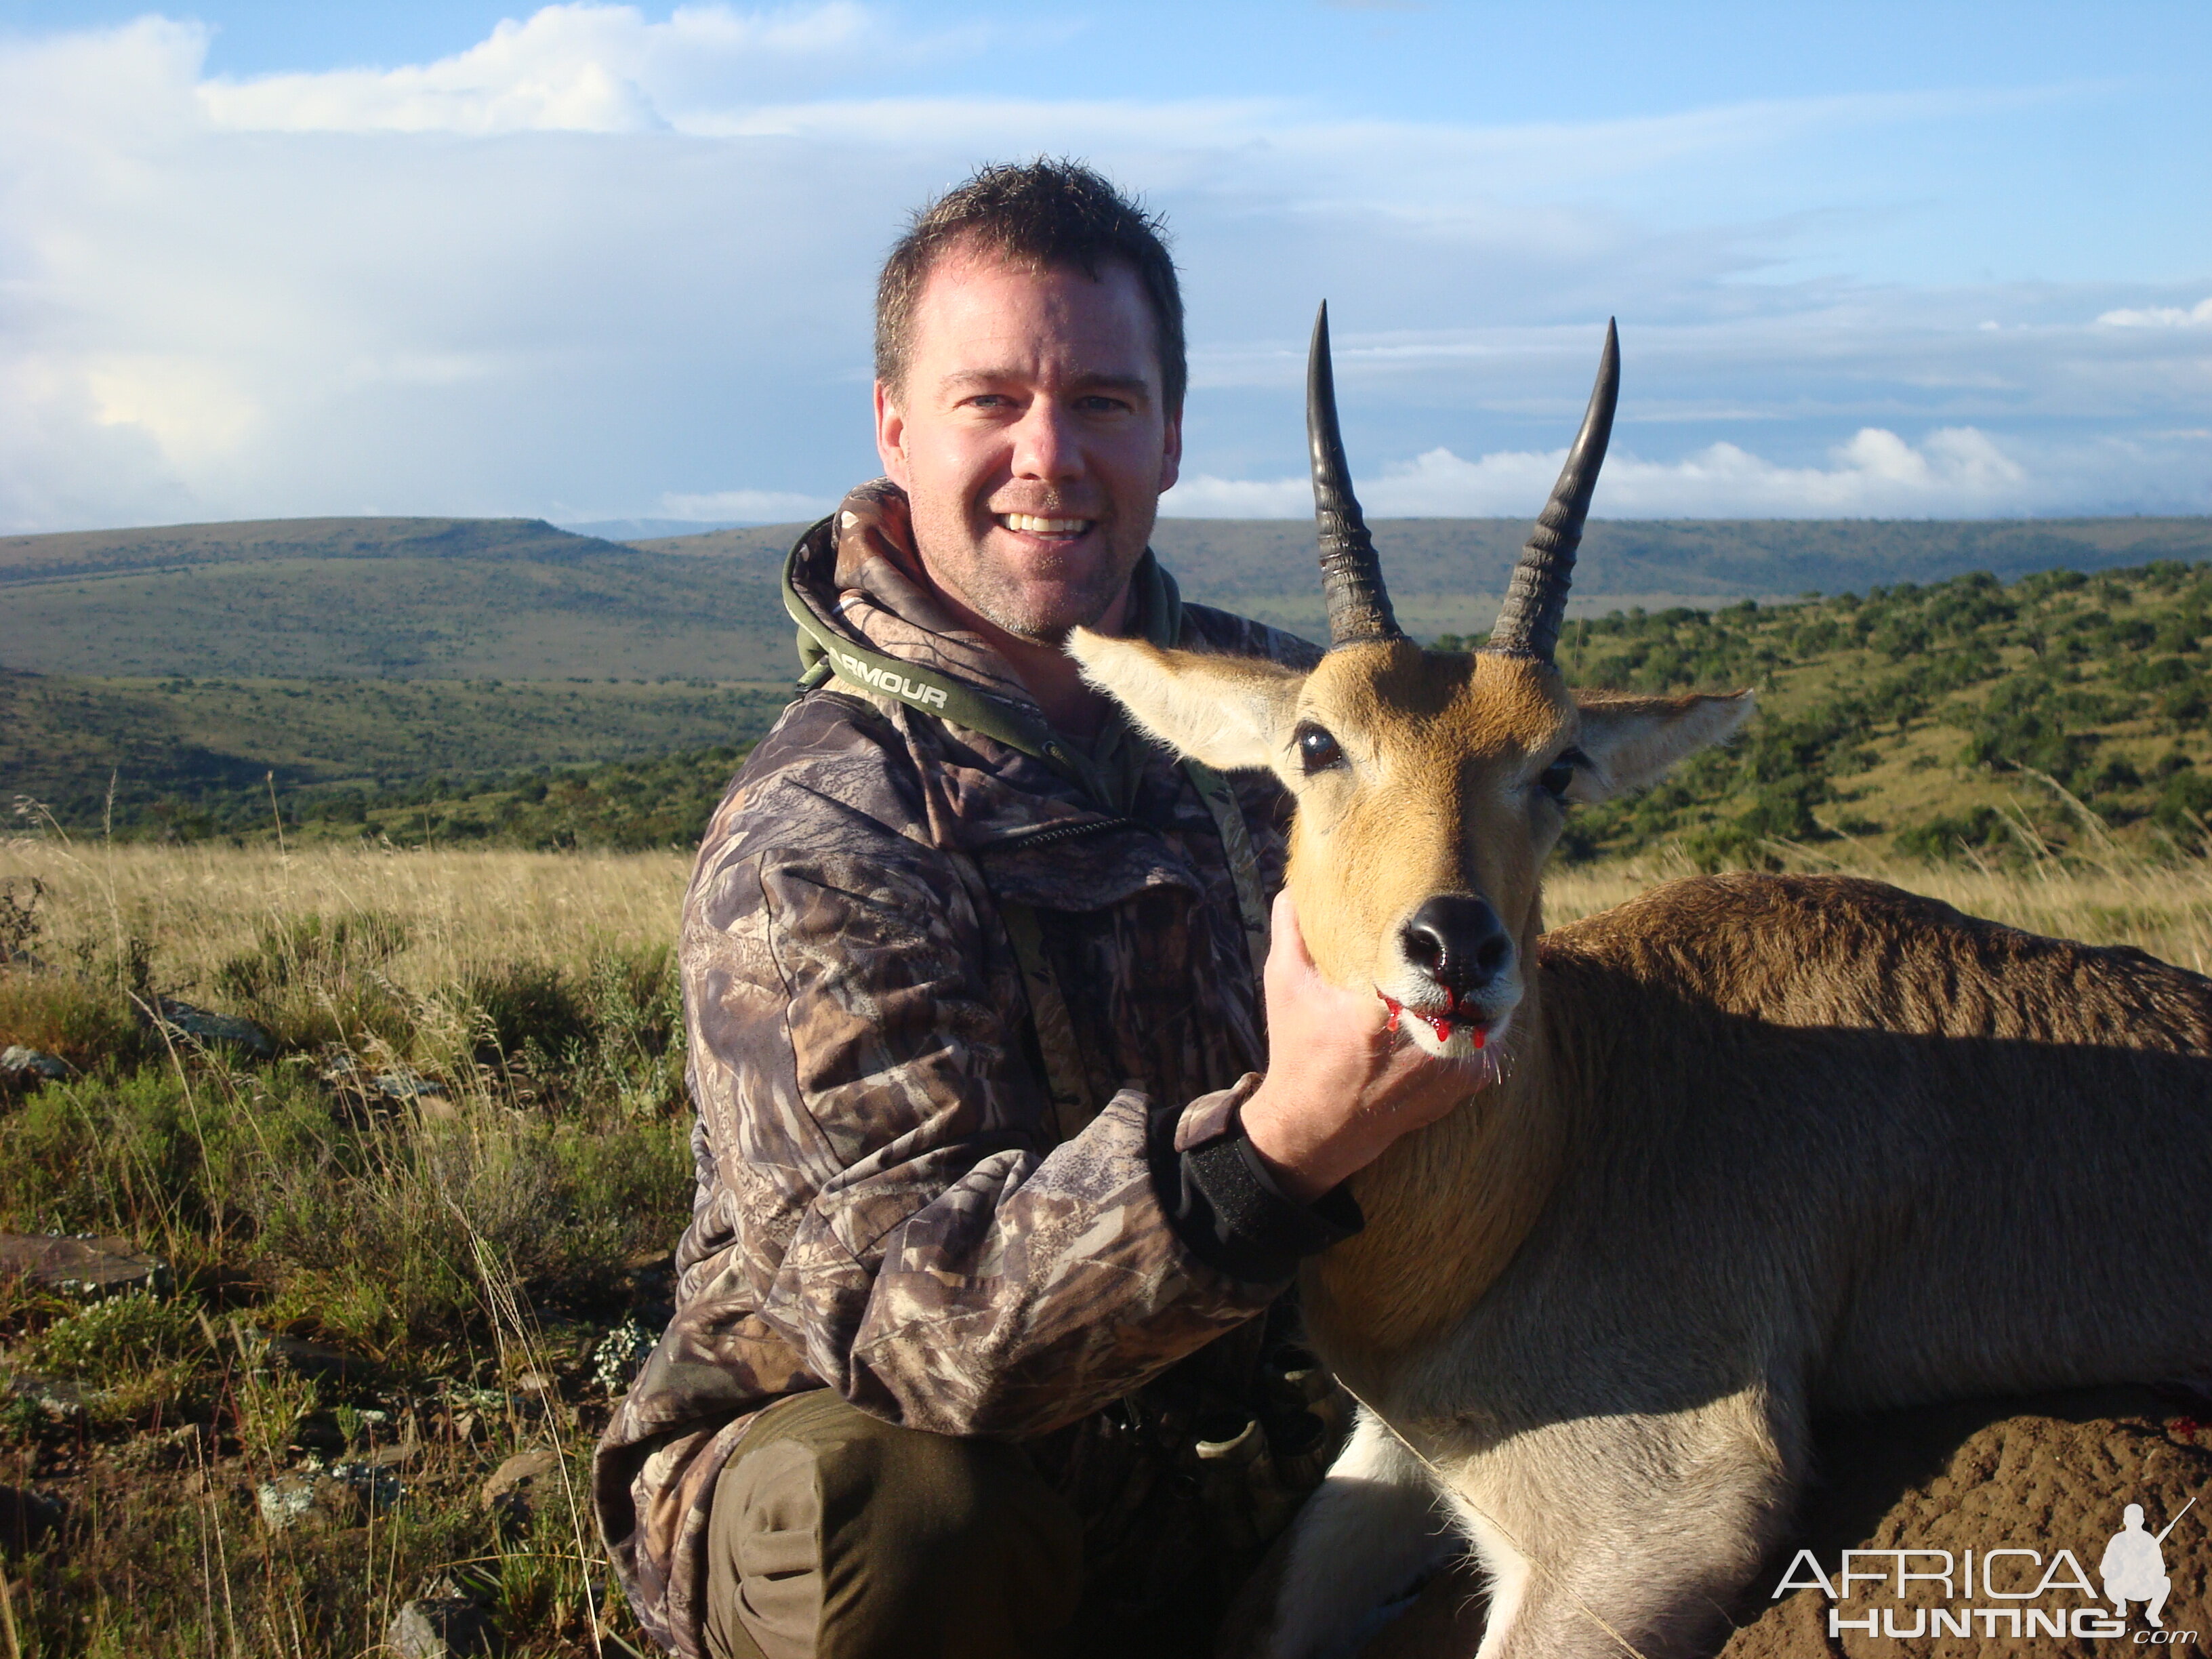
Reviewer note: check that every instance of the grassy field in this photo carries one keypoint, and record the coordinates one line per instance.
(457, 1174)
(460, 1172)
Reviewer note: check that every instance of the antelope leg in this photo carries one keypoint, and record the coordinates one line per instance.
(1371, 1530)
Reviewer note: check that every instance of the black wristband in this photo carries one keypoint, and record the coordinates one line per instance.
(1227, 1207)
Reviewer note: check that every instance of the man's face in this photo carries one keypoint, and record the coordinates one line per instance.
(1031, 438)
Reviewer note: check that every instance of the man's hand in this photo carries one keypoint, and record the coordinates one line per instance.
(1341, 1085)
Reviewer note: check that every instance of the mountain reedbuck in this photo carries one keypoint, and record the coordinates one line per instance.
(1745, 1149)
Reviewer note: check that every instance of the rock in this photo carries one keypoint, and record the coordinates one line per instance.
(25, 1518)
(2035, 1476)
(313, 1359)
(203, 1026)
(286, 1501)
(616, 1360)
(510, 1487)
(24, 1066)
(84, 1266)
(344, 1495)
(439, 1626)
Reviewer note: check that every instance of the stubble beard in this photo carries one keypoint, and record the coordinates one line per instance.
(959, 564)
(1038, 618)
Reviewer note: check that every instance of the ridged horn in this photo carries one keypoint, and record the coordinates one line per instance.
(1537, 603)
(1351, 575)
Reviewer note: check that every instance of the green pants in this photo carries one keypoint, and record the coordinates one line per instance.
(833, 1535)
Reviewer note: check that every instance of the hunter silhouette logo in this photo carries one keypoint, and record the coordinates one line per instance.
(2006, 1592)
(2133, 1567)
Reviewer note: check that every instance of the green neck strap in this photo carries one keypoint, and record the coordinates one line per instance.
(822, 654)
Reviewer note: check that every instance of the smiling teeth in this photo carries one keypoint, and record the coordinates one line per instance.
(1029, 524)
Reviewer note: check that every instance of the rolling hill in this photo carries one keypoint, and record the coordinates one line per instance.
(517, 599)
(428, 679)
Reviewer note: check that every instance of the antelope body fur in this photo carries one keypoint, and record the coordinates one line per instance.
(1746, 1149)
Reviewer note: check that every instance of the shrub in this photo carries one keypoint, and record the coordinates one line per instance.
(1945, 837)
(314, 980)
(134, 1331)
(525, 1012)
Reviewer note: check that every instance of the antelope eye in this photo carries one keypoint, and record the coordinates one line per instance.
(1559, 777)
(1317, 750)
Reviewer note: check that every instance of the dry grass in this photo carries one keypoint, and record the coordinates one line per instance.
(2163, 909)
(504, 1227)
(465, 913)
(536, 987)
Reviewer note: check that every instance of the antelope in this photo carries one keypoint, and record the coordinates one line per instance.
(1746, 1149)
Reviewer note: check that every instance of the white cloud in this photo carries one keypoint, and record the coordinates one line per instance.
(596, 257)
(569, 68)
(2196, 316)
(1954, 472)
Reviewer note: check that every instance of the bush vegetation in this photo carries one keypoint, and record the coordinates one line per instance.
(1960, 721)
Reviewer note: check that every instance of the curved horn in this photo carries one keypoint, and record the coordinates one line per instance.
(1352, 576)
(1536, 603)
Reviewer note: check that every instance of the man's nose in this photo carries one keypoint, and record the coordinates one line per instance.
(1046, 444)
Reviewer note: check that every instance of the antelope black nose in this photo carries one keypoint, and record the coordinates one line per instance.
(1458, 942)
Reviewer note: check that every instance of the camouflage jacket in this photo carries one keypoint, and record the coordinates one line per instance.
(888, 1202)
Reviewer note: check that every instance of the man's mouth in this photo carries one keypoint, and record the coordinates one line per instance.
(1455, 1013)
(1030, 524)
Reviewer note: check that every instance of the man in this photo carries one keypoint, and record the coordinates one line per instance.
(993, 1184)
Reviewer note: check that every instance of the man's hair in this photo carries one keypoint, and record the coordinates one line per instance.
(1042, 213)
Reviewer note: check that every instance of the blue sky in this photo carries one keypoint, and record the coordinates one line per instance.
(592, 261)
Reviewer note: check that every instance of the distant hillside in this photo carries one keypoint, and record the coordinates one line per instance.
(422, 598)
(207, 754)
(1964, 717)
(517, 599)
(1446, 575)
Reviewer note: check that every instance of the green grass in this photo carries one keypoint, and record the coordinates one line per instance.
(457, 1247)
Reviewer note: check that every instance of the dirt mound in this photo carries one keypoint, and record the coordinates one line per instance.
(2043, 1482)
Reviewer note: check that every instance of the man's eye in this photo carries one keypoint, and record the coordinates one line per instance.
(1317, 750)
(1559, 777)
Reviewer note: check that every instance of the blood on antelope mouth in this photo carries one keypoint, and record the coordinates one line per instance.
(1456, 1014)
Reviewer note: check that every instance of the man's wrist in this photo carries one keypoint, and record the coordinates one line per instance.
(1298, 1164)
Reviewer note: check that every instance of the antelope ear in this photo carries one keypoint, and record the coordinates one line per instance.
(1632, 741)
(1230, 712)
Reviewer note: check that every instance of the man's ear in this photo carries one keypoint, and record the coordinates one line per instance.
(890, 434)
(1229, 712)
(1632, 741)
